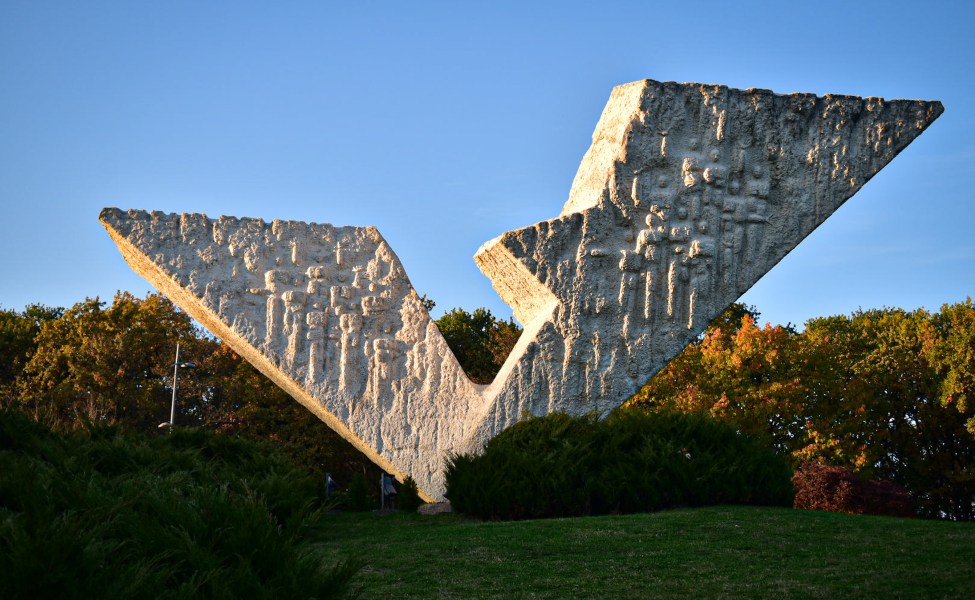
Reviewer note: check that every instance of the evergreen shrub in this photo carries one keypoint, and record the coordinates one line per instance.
(409, 496)
(357, 497)
(101, 513)
(632, 461)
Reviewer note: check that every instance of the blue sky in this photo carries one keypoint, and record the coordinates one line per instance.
(445, 124)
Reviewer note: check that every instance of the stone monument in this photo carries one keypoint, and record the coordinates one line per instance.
(687, 196)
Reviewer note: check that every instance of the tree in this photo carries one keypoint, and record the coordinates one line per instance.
(885, 393)
(18, 334)
(730, 319)
(954, 358)
(888, 404)
(480, 341)
(745, 375)
(114, 364)
(105, 364)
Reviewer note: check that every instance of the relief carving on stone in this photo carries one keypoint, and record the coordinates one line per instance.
(687, 196)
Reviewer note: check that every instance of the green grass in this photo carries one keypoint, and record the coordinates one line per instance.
(718, 552)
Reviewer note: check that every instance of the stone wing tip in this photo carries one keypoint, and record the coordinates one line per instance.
(109, 215)
(113, 217)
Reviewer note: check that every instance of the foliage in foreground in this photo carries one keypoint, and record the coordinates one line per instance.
(632, 461)
(101, 514)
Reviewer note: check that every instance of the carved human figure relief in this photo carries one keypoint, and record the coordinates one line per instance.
(317, 330)
(688, 194)
(294, 305)
(274, 325)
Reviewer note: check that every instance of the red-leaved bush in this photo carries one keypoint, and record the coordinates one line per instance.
(838, 489)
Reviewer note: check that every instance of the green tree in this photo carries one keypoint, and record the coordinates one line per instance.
(113, 364)
(480, 341)
(105, 364)
(882, 410)
(18, 341)
(954, 357)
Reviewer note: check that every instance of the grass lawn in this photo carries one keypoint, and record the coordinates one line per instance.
(716, 552)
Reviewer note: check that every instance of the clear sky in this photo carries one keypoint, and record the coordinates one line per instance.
(448, 123)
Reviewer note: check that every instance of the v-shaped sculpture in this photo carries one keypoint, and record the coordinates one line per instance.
(687, 196)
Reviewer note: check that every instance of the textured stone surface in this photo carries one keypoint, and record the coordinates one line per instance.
(688, 195)
(328, 314)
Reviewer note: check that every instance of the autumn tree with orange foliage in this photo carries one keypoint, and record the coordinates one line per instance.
(740, 373)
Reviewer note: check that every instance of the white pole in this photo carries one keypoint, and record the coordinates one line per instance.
(172, 409)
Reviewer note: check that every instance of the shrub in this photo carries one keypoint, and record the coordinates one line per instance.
(633, 461)
(357, 498)
(409, 496)
(838, 489)
(100, 513)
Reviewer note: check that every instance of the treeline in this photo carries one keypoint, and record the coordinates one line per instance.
(112, 363)
(887, 393)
